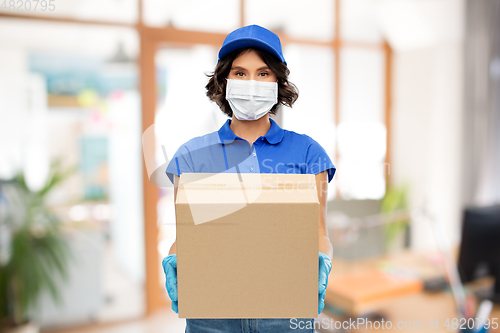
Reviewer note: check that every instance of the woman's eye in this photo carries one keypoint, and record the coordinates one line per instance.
(264, 74)
(239, 73)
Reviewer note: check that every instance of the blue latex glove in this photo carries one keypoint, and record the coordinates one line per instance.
(170, 268)
(325, 266)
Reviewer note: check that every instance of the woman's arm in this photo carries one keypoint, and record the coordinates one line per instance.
(173, 248)
(325, 246)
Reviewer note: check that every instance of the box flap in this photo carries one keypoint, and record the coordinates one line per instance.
(211, 196)
(246, 188)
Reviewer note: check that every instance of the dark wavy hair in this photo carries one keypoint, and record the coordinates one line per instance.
(216, 86)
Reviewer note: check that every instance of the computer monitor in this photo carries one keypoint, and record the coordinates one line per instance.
(480, 248)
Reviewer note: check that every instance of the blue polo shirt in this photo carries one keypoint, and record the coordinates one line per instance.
(278, 151)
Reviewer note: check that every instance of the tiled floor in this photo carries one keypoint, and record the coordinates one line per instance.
(163, 321)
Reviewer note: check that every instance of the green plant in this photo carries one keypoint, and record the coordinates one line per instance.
(38, 252)
(395, 200)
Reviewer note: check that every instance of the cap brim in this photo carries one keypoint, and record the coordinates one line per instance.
(248, 42)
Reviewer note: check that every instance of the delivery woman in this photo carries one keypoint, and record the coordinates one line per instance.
(250, 82)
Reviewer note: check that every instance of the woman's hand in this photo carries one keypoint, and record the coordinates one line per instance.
(325, 266)
(170, 268)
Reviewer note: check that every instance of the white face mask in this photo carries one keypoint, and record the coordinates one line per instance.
(249, 99)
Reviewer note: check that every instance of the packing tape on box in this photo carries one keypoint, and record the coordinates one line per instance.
(279, 186)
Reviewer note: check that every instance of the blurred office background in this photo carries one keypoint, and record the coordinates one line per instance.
(403, 95)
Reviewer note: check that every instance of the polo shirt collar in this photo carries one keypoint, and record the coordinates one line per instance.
(274, 135)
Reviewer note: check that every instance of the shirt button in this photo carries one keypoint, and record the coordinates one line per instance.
(254, 154)
(251, 169)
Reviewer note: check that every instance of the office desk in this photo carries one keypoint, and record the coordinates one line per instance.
(413, 309)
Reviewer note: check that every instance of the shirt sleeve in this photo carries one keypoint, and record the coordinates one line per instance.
(180, 162)
(317, 160)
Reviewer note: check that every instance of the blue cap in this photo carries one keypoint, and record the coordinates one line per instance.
(252, 36)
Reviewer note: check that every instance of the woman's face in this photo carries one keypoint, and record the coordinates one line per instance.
(249, 66)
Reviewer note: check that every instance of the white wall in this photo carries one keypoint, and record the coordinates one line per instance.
(427, 121)
(124, 151)
(13, 109)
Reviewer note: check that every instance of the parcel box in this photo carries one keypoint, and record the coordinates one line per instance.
(247, 245)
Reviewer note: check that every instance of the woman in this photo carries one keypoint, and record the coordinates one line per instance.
(250, 82)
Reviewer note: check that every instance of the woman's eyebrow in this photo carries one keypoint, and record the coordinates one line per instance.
(243, 69)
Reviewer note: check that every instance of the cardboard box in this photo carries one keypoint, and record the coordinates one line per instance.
(247, 245)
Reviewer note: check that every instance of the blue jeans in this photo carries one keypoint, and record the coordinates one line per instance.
(250, 325)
